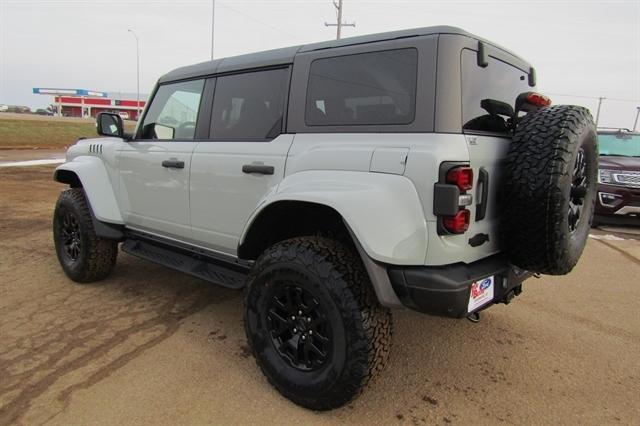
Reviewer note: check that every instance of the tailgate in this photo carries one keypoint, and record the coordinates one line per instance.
(487, 155)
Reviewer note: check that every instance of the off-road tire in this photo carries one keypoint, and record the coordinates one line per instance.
(96, 256)
(334, 273)
(537, 189)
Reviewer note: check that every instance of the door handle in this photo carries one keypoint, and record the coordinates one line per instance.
(173, 164)
(258, 168)
(481, 208)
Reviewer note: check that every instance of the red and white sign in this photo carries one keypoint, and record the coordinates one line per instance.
(481, 293)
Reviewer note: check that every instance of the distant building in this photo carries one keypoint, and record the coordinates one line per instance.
(88, 103)
(77, 106)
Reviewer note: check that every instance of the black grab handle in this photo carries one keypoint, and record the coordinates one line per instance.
(173, 164)
(481, 208)
(258, 168)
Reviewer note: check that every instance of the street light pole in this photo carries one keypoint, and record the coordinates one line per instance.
(137, 74)
(339, 26)
(600, 99)
(213, 20)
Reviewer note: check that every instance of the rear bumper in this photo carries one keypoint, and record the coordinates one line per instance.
(445, 290)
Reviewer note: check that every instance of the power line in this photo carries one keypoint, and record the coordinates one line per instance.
(226, 6)
(593, 97)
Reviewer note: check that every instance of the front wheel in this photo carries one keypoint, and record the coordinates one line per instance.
(313, 322)
(84, 257)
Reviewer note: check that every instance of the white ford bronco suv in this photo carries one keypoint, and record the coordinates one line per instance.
(333, 182)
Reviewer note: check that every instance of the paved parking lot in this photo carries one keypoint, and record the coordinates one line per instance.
(150, 346)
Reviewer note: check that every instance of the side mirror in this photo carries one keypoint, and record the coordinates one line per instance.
(109, 124)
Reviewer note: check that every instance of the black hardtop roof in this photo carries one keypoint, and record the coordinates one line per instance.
(285, 55)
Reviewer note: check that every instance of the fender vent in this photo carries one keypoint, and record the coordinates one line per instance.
(95, 148)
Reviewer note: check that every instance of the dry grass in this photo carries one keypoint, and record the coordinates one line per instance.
(52, 133)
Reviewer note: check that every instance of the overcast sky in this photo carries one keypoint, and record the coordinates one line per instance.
(580, 48)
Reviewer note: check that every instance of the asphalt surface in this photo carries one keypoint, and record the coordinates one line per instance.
(152, 346)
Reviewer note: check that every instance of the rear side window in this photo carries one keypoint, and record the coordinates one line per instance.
(498, 81)
(173, 111)
(249, 106)
(377, 88)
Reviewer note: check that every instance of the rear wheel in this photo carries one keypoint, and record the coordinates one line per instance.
(84, 257)
(550, 189)
(313, 322)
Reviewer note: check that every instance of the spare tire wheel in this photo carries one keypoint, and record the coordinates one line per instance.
(549, 189)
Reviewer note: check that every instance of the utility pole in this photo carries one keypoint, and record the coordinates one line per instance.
(635, 123)
(137, 75)
(339, 24)
(213, 20)
(600, 99)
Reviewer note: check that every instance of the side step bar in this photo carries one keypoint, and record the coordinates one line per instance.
(231, 276)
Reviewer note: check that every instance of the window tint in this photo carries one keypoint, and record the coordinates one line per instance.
(249, 107)
(498, 81)
(365, 89)
(173, 111)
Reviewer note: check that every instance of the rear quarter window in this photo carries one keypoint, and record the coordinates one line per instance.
(499, 81)
(375, 88)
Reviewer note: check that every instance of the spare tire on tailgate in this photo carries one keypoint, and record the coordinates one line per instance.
(550, 188)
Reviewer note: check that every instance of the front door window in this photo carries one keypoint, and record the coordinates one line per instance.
(173, 113)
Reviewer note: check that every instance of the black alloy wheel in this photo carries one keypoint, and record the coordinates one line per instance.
(71, 236)
(298, 327)
(579, 185)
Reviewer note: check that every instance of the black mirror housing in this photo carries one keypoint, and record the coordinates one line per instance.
(109, 124)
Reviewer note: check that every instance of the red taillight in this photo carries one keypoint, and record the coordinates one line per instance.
(462, 177)
(538, 100)
(457, 224)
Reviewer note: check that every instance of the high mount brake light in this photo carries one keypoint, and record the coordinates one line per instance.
(538, 100)
(462, 177)
(457, 224)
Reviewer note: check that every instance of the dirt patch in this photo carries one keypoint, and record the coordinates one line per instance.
(57, 339)
(152, 346)
(29, 197)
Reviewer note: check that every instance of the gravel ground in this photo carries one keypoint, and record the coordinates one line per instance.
(151, 346)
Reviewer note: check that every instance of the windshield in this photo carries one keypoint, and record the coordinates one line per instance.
(619, 144)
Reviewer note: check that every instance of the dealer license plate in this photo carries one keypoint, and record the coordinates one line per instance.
(481, 293)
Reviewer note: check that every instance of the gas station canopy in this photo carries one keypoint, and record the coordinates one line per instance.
(69, 92)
